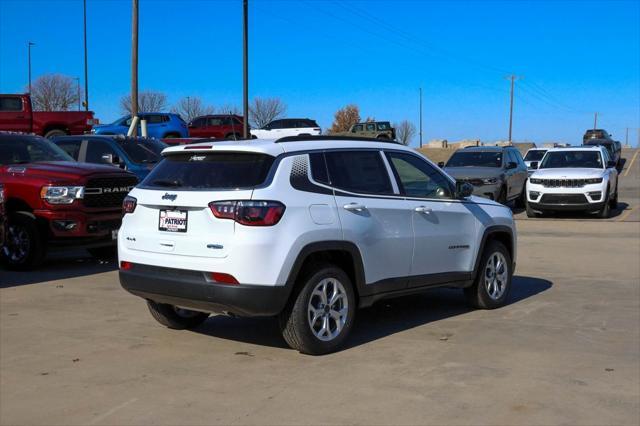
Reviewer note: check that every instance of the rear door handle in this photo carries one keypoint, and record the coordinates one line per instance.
(355, 207)
(423, 210)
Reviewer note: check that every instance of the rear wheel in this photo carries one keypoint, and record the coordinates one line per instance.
(54, 132)
(24, 247)
(175, 317)
(320, 315)
(493, 281)
(382, 137)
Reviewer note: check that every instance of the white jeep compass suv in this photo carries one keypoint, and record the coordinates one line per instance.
(308, 229)
(573, 179)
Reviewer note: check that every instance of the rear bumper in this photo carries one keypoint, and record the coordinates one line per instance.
(190, 289)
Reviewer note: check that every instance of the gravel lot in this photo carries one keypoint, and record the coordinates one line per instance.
(77, 349)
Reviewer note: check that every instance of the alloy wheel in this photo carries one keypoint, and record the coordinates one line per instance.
(328, 309)
(496, 274)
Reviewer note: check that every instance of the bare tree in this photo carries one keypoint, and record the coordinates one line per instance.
(344, 118)
(264, 111)
(148, 101)
(229, 109)
(191, 107)
(405, 131)
(54, 92)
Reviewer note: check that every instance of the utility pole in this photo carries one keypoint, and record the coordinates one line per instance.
(77, 79)
(421, 117)
(513, 78)
(29, 47)
(245, 69)
(86, 69)
(134, 61)
(595, 120)
(626, 138)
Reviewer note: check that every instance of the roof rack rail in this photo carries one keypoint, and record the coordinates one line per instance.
(333, 138)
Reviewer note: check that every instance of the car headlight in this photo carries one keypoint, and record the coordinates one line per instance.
(61, 194)
(592, 181)
(490, 181)
(535, 181)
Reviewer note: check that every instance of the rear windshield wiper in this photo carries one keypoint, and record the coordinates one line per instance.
(167, 182)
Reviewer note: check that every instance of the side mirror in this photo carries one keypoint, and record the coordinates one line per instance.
(534, 165)
(611, 164)
(511, 165)
(463, 189)
(441, 164)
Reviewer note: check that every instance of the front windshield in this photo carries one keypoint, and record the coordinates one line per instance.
(534, 155)
(475, 159)
(569, 159)
(143, 152)
(30, 150)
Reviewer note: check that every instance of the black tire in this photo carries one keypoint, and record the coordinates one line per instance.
(385, 137)
(171, 136)
(613, 202)
(174, 317)
(529, 210)
(522, 198)
(605, 211)
(295, 322)
(106, 253)
(502, 196)
(478, 295)
(54, 132)
(25, 247)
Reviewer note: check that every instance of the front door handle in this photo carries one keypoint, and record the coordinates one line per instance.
(355, 207)
(423, 210)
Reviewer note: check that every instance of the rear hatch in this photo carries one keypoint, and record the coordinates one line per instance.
(173, 214)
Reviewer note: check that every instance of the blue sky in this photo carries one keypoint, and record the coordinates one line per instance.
(575, 57)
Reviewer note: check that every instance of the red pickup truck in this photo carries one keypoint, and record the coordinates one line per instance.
(51, 200)
(17, 115)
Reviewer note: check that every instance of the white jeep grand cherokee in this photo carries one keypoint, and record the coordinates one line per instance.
(308, 229)
(573, 179)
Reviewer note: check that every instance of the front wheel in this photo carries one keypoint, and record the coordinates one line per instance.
(605, 211)
(24, 247)
(175, 317)
(493, 280)
(54, 133)
(320, 315)
(613, 202)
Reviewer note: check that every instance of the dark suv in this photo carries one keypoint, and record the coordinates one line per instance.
(219, 126)
(614, 148)
(496, 172)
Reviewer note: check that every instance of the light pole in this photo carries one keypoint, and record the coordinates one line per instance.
(86, 70)
(30, 44)
(77, 79)
(245, 69)
(134, 61)
(421, 117)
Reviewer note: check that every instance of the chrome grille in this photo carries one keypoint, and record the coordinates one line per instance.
(563, 183)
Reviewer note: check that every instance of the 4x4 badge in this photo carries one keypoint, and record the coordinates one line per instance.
(168, 196)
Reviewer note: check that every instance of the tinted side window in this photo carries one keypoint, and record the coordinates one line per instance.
(95, 151)
(156, 119)
(358, 171)
(71, 147)
(319, 168)
(277, 124)
(419, 179)
(358, 128)
(10, 103)
(198, 122)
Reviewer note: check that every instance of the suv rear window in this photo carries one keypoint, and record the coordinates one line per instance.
(210, 171)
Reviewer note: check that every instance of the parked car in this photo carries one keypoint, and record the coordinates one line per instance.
(614, 148)
(218, 126)
(308, 229)
(3, 217)
(287, 127)
(137, 155)
(371, 129)
(573, 179)
(17, 115)
(498, 173)
(596, 134)
(534, 154)
(52, 200)
(160, 125)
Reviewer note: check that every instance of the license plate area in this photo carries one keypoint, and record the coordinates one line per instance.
(173, 220)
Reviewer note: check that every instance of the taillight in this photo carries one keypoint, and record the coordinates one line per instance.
(129, 204)
(223, 278)
(125, 266)
(250, 213)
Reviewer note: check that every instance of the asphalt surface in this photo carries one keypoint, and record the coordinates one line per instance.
(77, 349)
